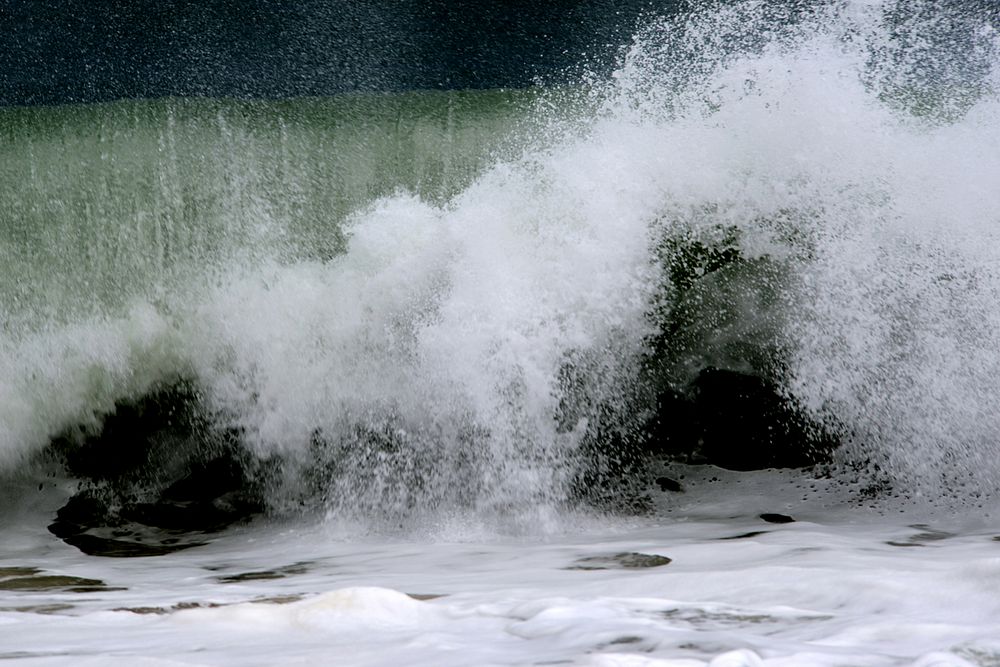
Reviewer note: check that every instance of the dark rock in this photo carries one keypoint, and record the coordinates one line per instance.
(736, 421)
(777, 518)
(205, 517)
(95, 545)
(157, 467)
(928, 534)
(627, 639)
(49, 582)
(184, 606)
(709, 389)
(207, 480)
(667, 484)
(746, 424)
(744, 536)
(627, 561)
(133, 435)
(925, 536)
(262, 575)
(80, 512)
(17, 571)
(44, 609)
(717, 363)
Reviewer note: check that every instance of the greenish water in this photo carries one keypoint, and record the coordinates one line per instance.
(103, 203)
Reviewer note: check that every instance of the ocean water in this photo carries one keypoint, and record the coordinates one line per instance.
(427, 377)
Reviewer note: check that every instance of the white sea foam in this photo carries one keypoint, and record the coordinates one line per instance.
(844, 589)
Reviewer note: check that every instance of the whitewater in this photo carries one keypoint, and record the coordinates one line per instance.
(694, 364)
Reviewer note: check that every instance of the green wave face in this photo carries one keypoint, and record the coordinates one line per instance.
(101, 204)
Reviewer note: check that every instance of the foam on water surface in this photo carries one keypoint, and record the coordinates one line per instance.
(849, 589)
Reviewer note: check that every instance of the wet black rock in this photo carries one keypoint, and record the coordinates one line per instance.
(96, 545)
(51, 582)
(32, 579)
(626, 561)
(667, 484)
(264, 575)
(156, 476)
(777, 518)
(716, 364)
(737, 421)
(745, 536)
(744, 423)
(708, 387)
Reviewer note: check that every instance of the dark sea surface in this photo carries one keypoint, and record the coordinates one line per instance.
(76, 51)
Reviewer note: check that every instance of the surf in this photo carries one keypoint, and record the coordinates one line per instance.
(511, 304)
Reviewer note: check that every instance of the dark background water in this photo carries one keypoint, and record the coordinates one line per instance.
(63, 51)
(55, 52)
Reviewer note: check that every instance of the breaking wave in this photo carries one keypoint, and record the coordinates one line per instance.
(497, 302)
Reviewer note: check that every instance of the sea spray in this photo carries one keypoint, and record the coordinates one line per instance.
(133, 199)
(464, 349)
(859, 142)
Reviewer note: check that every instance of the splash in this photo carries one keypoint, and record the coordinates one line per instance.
(858, 142)
(463, 351)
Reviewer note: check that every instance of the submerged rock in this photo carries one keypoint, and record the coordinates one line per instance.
(36, 582)
(745, 536)
(263, 575)
(625, 561)
(925, 537)
(185, 606)
(18, 571)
